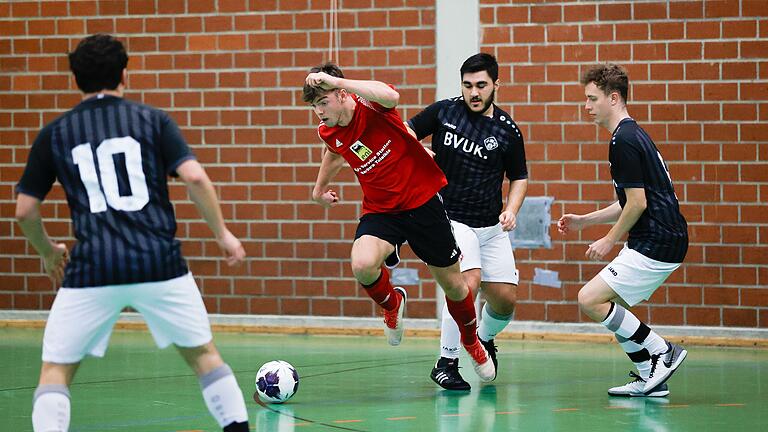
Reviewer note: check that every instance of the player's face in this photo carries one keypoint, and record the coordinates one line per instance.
(478, 90)
(329, 108)
(598, 104)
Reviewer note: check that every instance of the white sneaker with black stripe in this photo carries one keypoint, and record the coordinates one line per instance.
(635, 388)
(664, 365)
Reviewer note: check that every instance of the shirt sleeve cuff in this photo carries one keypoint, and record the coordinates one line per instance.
(172, 168)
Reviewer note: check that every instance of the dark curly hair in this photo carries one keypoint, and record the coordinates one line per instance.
(609, 78)
(98, 63)
(481, 62)
(311, 93)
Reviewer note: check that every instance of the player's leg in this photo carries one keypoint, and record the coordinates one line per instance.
(626, 281)
(461, 306)
(445, 373)
(374, 241)
(79, 324)
(51, 403)
(430, 235)
(500, 278)
(221, 392)
(446, 370)
(175, 314)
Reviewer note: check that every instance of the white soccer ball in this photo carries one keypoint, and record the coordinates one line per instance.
(277, 381)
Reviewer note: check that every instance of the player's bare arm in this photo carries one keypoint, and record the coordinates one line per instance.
(571, 221)
(55, 255)
(329, 168)
(515, 197)
(634, 207)
(375, 91)
(202, 193)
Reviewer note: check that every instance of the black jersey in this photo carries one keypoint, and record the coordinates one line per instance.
(661, 233)
(475, 152)
(112, 158)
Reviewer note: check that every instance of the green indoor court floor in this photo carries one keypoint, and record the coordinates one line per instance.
(354, 383)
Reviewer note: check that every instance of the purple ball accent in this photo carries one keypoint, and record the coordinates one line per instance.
(295, 380)
(271, 384)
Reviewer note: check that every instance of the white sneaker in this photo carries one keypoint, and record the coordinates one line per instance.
(393, 320)
(481, 361)
(664, 365)
(635, 388)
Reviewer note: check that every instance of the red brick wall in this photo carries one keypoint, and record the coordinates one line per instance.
(699, 85)
(229, 72)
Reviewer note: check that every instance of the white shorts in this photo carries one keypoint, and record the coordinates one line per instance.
(488, 249)
(81, 319)
(634, 276)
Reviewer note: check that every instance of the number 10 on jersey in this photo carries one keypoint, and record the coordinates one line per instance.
(107, 192)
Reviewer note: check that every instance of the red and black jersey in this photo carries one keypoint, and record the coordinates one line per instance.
(394, 170)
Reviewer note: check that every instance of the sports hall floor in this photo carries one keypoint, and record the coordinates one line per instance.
(354, 383)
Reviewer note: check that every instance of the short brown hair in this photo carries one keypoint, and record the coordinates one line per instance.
(311, 93)
(609, 78)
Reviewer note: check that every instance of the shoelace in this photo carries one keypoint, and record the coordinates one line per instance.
(636, 377)
(654, 361)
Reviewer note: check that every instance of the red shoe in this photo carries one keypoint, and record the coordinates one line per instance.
(481, 361)
(393, 319)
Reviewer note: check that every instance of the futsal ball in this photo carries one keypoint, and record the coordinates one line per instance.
(277, 381)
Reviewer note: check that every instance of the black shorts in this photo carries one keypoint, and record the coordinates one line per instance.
(427, 230)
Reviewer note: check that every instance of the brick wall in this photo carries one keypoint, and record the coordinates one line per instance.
(229, 72)
(699, 85)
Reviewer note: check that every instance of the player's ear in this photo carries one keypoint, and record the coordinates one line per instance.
(124, 77)
(342, 94)
(615, 98)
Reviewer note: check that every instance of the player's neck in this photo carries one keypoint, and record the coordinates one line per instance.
(118, 92)
(489, 112)
(616, 118)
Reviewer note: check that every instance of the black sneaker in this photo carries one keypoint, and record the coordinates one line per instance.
(446, 375)
(491, 348)
(393, 259)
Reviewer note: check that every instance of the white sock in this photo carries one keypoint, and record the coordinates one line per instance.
(625, 324)
(223, 396)
(51, 408)
(492, 323)
(450, 337)
(637, 354)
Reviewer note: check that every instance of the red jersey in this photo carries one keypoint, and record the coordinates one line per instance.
(394, 170)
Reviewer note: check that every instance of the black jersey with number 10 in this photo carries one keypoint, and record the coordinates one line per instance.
(112, 158)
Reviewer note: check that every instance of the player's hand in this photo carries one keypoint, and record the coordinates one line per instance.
(599, 249)
(233, 250)
(508, 220)
(322, 80)
(430, 152)
(569, 222)
(56, 261)
(328, 199)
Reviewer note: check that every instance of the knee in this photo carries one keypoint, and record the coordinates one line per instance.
(586, 301)
(365, 269)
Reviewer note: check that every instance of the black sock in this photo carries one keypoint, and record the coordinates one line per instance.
(445, 361)
(236, 427)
